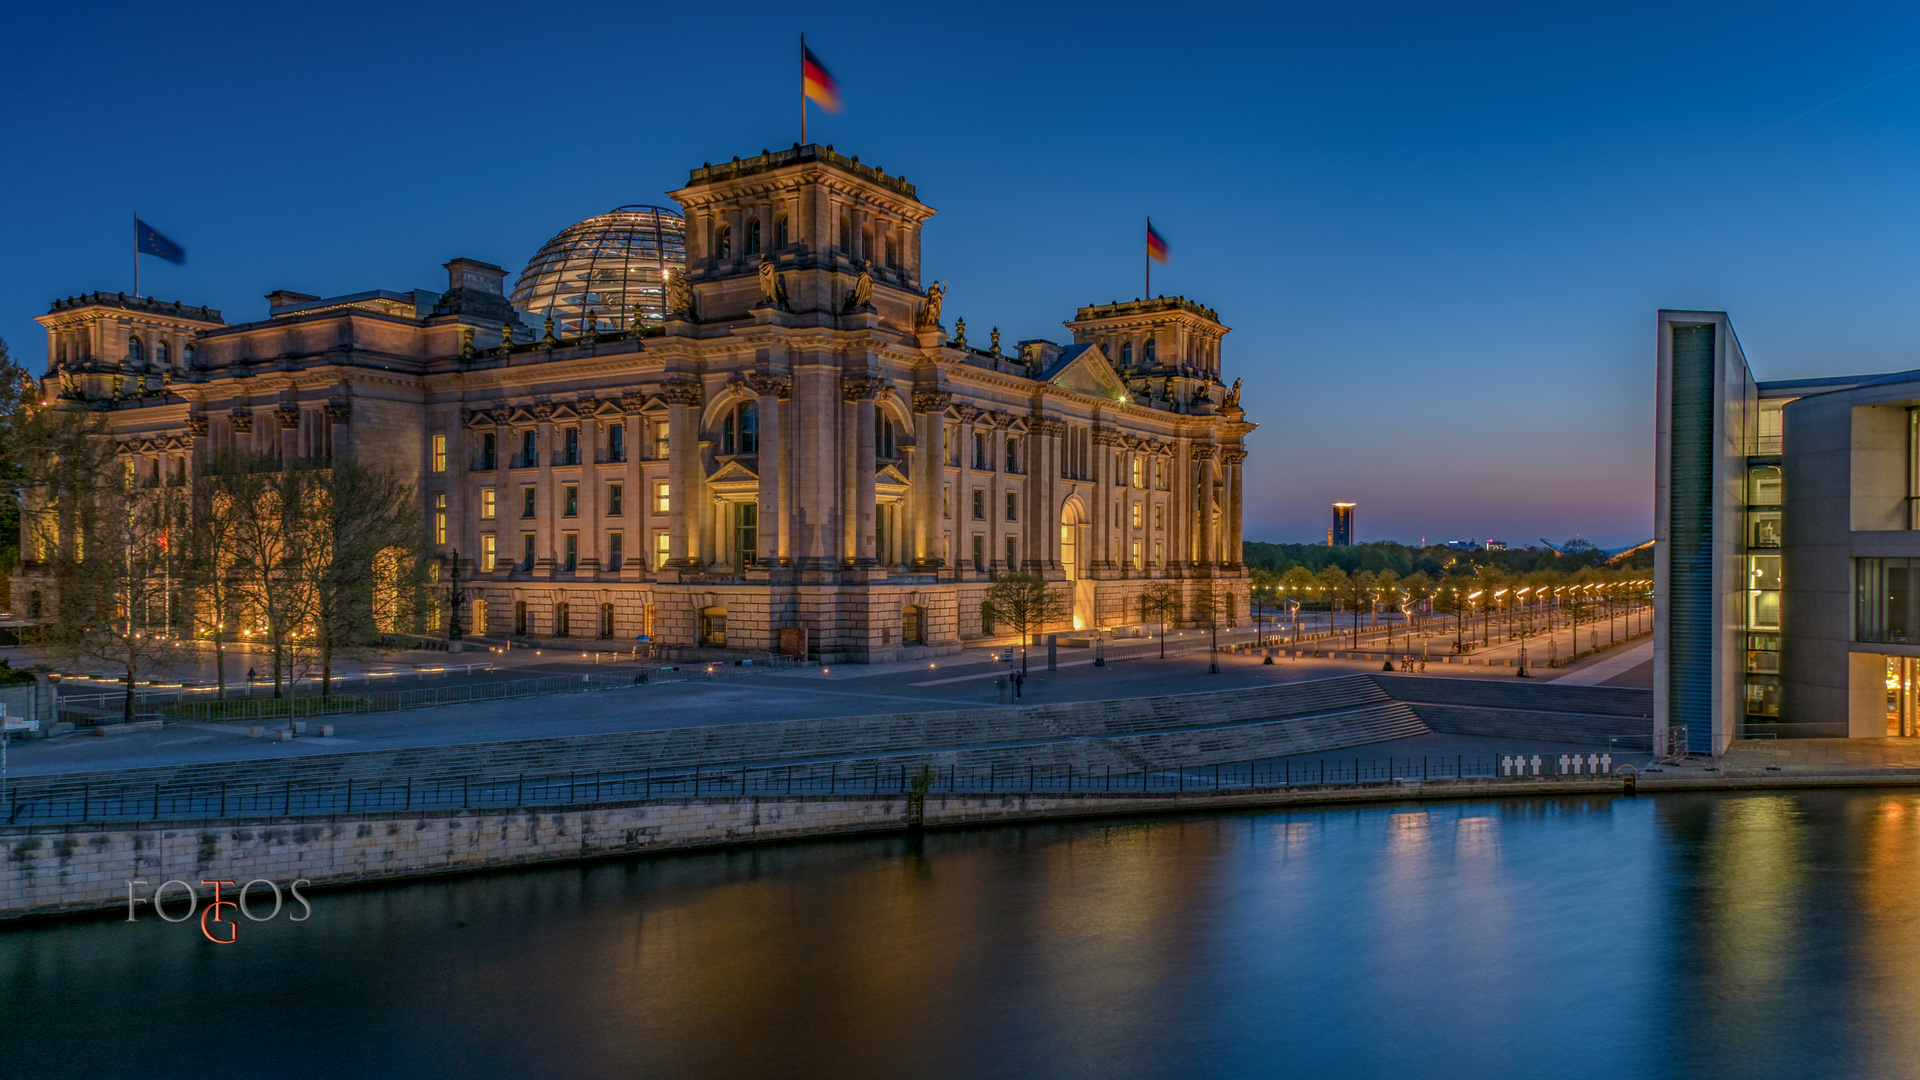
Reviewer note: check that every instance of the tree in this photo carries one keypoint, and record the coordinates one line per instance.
(1356, 592)
(209, 528)
(19, 404)
(1385, 591)
(1453, 598)
(1299, 584)
(362, 534)
(272, 524)
(1212, 606)
(1157, 601)
(1026, 604)
(111, 579)
(1333, 586)
(1419, 589)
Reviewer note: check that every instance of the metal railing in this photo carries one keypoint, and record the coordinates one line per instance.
(66, 801)
(345, 704)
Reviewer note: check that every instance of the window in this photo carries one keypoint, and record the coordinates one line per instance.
(883, 439)
(480, 618)
(617, 442)
(713, 627)
(163, 354)
(570, 446)
(946, 500)
(489, 453)
(723, 242)
(570, 543)
(520, 617)
(570, 500)
(488, 507)
(1159, 553)
(1013, 506)
(529, 449)
(526, 543)
(1126, 355)
(439, 453)
(662, 499)
(661, 440)
(440, 518)
(1136, 515)
(1149, 356)
(753, 236)
(979, 553)
(614, 502)
(606, 620)
(1136, 554)
(1159, 475)
(846, 234)
(979, 505)
(1159, 517)
(526, 502)
(913, 625)
(136, 352)
(780, 232)
(740, 430)
(562, 615)
(661, 545)
(489, 554)
(746, 533)
(616, 551)
(979, 450)
(1139, 480)
(1011, 561)
(1013, 454)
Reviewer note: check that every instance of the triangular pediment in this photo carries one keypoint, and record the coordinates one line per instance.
(890, 475)
(1084, 369)
(733, 471)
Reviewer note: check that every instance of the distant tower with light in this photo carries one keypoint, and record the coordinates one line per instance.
(1342, 533)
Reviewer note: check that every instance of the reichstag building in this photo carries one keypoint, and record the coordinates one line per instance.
(715, 424)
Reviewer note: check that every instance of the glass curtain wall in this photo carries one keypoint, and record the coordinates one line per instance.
(1763, 575)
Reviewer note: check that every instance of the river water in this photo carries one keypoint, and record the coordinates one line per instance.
(1772, 935)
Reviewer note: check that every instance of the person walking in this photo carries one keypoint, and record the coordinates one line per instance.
(250, 675)
(1019, 684)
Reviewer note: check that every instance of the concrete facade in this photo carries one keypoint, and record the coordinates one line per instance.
(804, 444)
(1806, 515)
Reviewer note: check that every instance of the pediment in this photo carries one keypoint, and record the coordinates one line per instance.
(1084, 369)
(890, 474)
(733, 471)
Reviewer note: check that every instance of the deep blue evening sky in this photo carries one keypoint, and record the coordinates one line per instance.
(1439, 231)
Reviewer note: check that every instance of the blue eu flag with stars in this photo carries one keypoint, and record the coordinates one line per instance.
(148, 241)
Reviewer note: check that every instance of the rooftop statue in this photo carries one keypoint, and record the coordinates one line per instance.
(769, 287)
(862, 293)
(930, 314)
(1233, 397)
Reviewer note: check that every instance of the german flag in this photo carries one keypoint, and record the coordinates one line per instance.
(816, 83)
(1156, 247)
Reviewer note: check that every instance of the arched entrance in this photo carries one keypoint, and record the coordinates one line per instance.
(1072, 550)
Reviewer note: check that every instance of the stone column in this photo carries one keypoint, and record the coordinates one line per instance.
(769, 390)
(1235, 549)
(1204, 456)
(929, 414)
(288, 414)
(639, 547)
(683, 397)
(1100, 501)
(589, 522)
(859, 391)
(197, 429)
(545, 500)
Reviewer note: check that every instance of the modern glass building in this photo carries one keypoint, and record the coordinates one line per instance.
(598, 274)
(1787, 568)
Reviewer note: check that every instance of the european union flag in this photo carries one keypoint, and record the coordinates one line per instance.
(148, 241)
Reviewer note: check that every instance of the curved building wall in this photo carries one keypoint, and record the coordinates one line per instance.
(594, 274)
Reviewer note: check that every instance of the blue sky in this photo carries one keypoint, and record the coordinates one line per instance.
(1439, 231)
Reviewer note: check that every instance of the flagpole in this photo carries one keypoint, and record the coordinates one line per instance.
(136, 253)
(1148, 261)
(803, 88)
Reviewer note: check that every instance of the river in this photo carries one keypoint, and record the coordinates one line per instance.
(1765, 935)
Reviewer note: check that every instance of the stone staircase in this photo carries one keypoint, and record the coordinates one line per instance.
(1516, 709)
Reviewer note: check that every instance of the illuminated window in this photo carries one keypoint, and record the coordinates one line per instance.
(1139, 481)
(480, 618)
(1159, 517)
(913, 625)
(1136, 515)
(660, 548)
(440, 518)
(439, 453)
(1159, 553)
(662, 500)
(487, 504)
(661, 440)
(489, 553)
(1136, 554)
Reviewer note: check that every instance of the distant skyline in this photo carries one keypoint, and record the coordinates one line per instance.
(1440, 233)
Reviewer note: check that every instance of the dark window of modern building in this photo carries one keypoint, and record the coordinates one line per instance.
(1886, 602)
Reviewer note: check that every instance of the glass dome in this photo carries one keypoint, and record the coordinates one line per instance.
(595, 273)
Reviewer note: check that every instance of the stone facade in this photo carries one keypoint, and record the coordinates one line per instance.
(803, 444)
